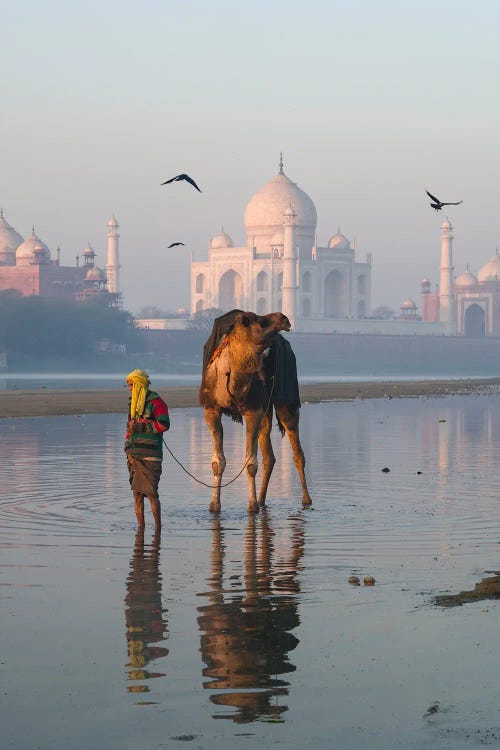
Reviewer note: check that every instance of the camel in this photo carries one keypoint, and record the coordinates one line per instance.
(235, 382)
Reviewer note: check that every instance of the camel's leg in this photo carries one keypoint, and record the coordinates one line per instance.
(268, 458)
(253, 420)
(213, 419)
(290, 421)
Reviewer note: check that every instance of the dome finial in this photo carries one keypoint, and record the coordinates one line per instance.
(281, 162)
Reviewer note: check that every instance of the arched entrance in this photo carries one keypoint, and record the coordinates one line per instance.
(230, 291)
(475, 322)
(333, 302)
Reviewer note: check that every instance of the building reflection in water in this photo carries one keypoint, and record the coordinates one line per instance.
(246, 631)
(144, 615)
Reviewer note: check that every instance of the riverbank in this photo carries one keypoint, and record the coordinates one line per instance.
(46, 402)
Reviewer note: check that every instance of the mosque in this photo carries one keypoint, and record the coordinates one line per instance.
(27, 267)
(281, 267)
(465, 305)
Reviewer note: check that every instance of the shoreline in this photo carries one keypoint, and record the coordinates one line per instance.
(53, 402)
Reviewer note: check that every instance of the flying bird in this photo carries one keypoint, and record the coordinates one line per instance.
(181, 177)
(437, 205)
(175, 244)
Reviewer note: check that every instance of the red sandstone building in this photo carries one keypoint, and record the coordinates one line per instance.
(26, 266)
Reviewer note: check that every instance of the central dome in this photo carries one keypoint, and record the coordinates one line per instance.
(9, 240)
(264, 212)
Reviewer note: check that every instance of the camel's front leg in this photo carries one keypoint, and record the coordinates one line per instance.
(213, 419)
(268, 458)
(253, 422)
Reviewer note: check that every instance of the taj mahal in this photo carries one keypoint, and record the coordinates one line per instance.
(281, 267)
(325, 288)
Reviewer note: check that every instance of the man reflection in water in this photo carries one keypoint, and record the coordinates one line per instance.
(246, 637)
(144, 615)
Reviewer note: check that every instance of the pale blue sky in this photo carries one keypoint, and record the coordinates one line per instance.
(371, 103)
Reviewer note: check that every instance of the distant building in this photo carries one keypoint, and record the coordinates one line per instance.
(281, 266)
(27, 267)
(466, 305)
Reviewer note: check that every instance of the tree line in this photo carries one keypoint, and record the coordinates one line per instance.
(45, 326)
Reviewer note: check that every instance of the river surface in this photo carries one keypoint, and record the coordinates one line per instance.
(41, 380)
(244, 631)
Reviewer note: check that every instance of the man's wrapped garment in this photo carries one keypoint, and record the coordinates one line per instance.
(144, 475)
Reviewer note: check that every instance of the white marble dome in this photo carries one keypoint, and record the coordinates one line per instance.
(490, 271)
(113, 222)
(446, 225)
(339, 242)
(221, 240)
(9, 238)
(466, 279)
(25, 251)
(267, 207)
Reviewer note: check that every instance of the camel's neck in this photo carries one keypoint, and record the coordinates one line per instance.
(245, 361)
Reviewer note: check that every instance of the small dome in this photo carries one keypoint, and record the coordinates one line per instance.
(408, 304)
(446, 225)
(425, 281)
(9, 238)
(95, 274)
(89, 250)
(339, 242)
(221, 240)
(466, 279)
(113, 222)
(25, 251)
(490, 271)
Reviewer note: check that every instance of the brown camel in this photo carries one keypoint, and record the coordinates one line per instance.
(234, 383)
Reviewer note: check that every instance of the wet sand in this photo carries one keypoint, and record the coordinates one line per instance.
(45, 402)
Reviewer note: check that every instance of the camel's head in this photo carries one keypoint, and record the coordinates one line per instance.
(261, 328)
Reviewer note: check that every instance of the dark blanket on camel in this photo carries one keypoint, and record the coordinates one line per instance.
(280, 362)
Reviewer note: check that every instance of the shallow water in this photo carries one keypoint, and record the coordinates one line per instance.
(41, 380)
(245, 631)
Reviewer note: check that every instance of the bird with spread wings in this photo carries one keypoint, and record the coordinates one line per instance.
(437, 205)
(180, 178)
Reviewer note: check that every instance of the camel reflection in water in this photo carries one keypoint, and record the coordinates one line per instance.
(246, 636)
(144, 615)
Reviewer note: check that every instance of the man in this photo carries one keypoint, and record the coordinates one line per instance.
(147, 419)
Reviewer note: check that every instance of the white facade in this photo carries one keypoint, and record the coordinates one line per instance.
(281, 267)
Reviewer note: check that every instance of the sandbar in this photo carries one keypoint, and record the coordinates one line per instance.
(49, 402)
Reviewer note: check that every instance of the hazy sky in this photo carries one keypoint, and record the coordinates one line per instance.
(371, 103)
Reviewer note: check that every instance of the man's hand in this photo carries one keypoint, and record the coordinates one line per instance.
(138, 425)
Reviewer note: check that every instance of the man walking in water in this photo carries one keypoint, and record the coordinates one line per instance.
(147, 419)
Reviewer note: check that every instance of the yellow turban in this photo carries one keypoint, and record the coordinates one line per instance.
(140, 382)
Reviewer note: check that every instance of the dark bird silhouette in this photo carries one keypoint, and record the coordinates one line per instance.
(437, 205)
(175, 244)
(181, 177)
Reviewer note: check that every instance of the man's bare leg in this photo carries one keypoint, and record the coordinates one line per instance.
(139, 509)
(156, 511)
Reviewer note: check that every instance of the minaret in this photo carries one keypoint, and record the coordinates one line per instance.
(446, 293)
(290, 287)
(113, 264)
